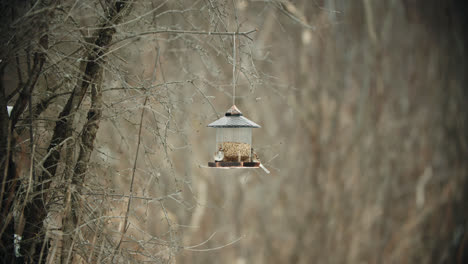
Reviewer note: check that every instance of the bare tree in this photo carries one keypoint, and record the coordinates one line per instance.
(362, 107)
(66, 58)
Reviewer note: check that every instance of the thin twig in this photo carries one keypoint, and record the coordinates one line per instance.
(202, 243)
(215, 248)
(134, 197)
(28, 191)
(291, 11)
(7, 162)
(192, 32)
(124, 227)
(206, 98)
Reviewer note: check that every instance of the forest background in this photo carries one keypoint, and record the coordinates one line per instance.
(363, 108)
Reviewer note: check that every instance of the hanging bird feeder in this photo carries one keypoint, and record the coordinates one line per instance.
(234, 135)
(234, 141)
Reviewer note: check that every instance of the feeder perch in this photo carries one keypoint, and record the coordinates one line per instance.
(234, 141)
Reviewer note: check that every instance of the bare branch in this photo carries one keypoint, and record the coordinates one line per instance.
(124, 227)
(174, 31)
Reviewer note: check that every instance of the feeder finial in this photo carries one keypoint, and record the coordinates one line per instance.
(233, 111)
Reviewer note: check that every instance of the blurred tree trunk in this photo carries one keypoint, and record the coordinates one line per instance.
(34, 245)
(392, 182)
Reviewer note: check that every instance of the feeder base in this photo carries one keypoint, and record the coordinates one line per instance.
(227, 164)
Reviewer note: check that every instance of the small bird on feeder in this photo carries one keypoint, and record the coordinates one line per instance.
(219, 155)
(255, 159)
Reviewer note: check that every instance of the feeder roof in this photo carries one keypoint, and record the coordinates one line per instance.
(233, 118)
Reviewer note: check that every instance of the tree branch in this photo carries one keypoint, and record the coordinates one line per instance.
(20, 105)
(173, 31)
(63, 126)
(124, 227)
(35, 211)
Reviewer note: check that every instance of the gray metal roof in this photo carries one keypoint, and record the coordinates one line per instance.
(233, 118)
(233, 121)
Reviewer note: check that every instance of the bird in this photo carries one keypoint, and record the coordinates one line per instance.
(255, 157)
(219, 155)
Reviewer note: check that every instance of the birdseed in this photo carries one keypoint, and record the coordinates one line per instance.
(232, 151)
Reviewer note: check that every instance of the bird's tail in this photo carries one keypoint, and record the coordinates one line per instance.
(265, 169)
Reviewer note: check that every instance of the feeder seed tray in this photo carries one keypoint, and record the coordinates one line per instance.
(228, 164)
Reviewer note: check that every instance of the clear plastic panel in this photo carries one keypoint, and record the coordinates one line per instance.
(235, 135)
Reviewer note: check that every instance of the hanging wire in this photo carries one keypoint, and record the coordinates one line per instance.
(234, 70)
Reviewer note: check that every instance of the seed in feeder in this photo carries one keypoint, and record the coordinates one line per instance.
(233, 151)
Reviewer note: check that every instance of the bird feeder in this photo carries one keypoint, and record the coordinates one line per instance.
(234, 141)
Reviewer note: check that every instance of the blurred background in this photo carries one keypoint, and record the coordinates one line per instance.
(364, 127)
(363, 108)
